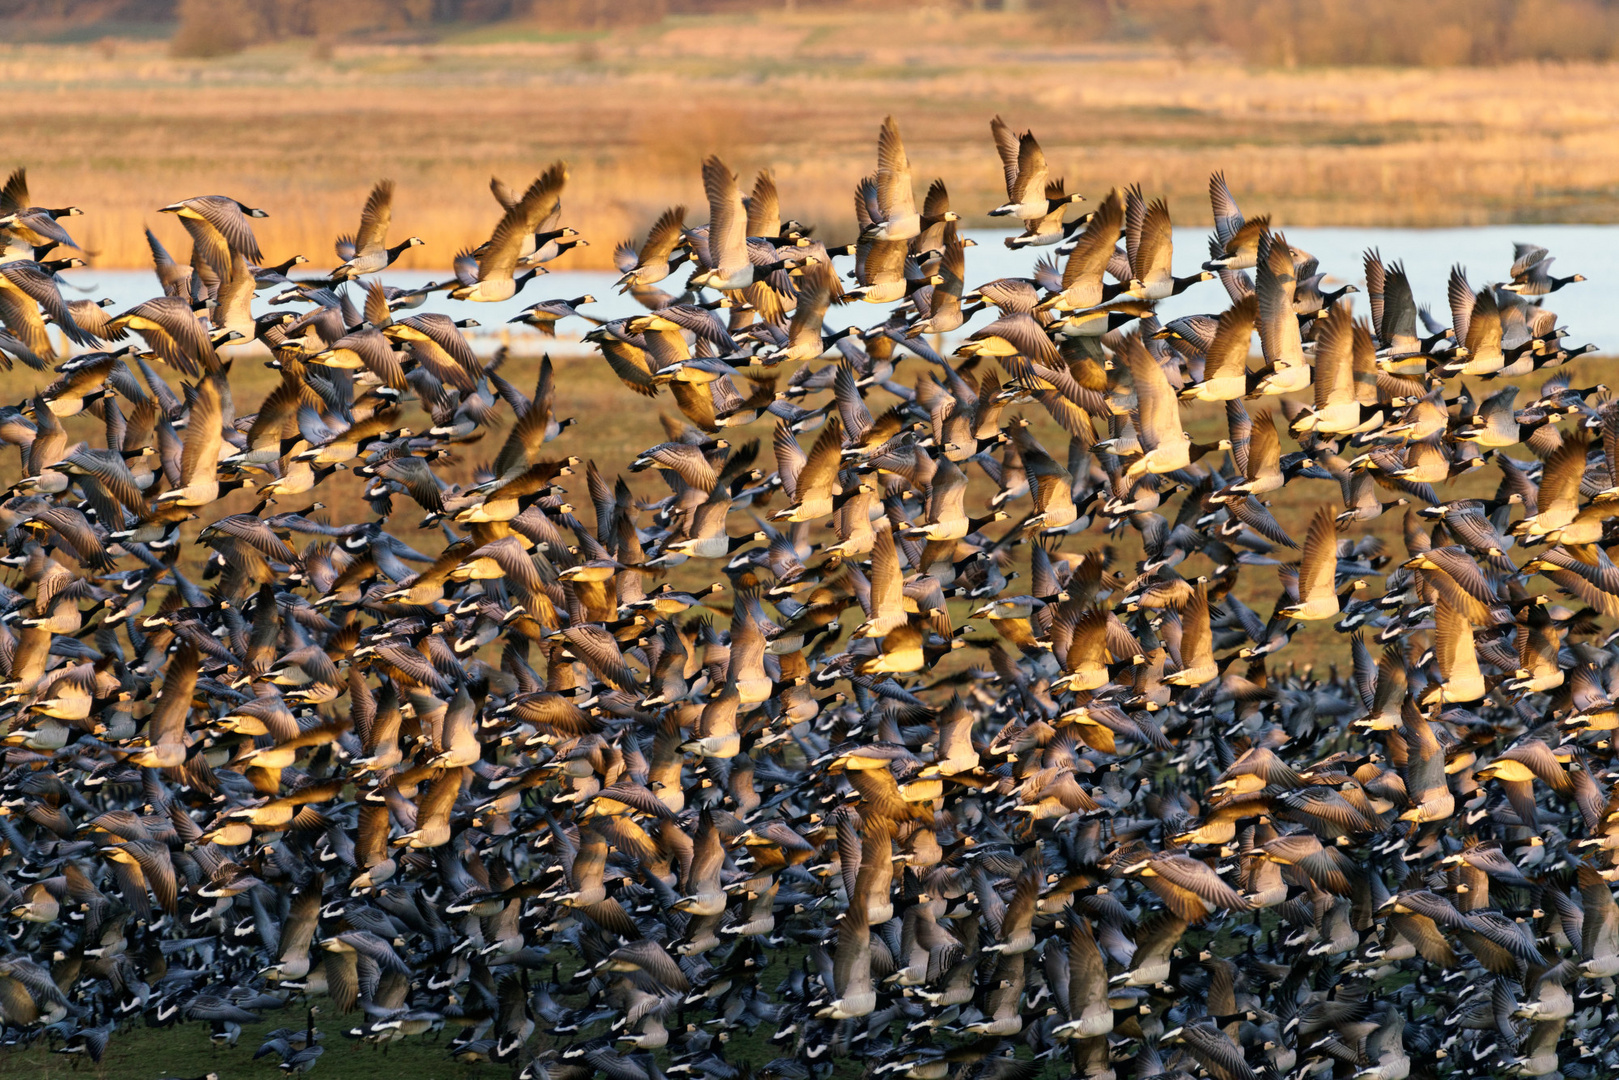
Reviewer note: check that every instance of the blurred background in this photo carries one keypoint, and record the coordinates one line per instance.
(1322, 112)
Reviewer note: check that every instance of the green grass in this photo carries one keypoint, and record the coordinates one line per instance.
(144, 1053)
(139, 1052)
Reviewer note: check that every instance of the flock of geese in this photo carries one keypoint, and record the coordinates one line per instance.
(589, 778)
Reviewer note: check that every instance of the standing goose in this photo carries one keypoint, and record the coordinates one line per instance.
(367, 251)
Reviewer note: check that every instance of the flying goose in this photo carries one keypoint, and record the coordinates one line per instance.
(488, 274)
(1149, 247)
(367, 251)
(896, 217)
(218, 226)
(38, 226)
(171, 329)
(1028, 183)
(1531, 272)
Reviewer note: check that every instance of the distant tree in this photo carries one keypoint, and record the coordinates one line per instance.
(211, 28)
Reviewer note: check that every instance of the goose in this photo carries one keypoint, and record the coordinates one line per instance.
(1027, 179)
(1346, 394)
(1149, 245)
(938, 306)
(813, 475)
(1531, 272)
(28, 289)
(655, 715)
(545, 315)
(1287, 371)
(36, 226)
(896, 217)
(198, 483)
(852, 990)
(1317, 596)
(1051, 228)
(663, 251)
(436, 343)
(729, 267)
(171, 329)
(552, 244)
(1476, 320)
(1081, 286)
(1225, 367)
(218, 226)
(367, 251)
(1165, 445)
(486, 276)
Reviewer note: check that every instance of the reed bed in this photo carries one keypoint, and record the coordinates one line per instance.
(121, 130)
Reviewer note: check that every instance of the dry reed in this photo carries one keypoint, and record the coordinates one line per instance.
(304, 137)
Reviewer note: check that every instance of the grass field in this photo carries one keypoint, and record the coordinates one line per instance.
(120, 128)
(137, 1052)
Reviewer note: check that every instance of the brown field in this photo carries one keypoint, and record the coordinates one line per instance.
(121, 128)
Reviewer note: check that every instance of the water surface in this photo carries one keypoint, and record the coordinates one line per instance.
(1589, 309)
